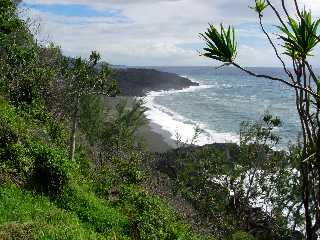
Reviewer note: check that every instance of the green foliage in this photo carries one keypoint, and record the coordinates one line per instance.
(264, 174)
(25, 216)
(95, 213)
(9, 22)
(223, 180)
(56, 132)
(124, 169)
(301, 36)
(36, 114)
(35, 134)
(92, 117)
(13, 155)
(94, 57)
(51, 171)
(201, 176)
(83, 79)
(45, 166)
(129, 120)
(150, 218)
(18, 57)
(122, 158)
(221, 45)
(120, 132)
(260, 133)
(260, 6)
(26, 134)
(241, 235)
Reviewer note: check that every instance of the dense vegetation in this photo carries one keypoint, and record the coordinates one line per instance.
(50, 187)
(298, 33)
(72, 168)
(248, 187)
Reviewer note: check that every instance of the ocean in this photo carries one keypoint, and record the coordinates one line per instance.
(225, 98)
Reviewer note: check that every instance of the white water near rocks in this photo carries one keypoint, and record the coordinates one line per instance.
(178, 125)
(224, 99)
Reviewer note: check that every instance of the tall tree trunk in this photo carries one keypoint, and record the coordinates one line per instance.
(72, 147)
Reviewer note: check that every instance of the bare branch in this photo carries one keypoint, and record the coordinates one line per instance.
(312, 74)
(275, 50)
(285, 9)
(297, 8)
(277, 13)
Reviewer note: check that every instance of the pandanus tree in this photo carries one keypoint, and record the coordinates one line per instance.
(85, 78)
(298, 34)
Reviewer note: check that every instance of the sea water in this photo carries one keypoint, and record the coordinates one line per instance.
(225, 98)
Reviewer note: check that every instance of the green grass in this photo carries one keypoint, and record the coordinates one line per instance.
(94, 212)
(24, 215)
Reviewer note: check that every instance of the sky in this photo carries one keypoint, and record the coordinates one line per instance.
(154, 32)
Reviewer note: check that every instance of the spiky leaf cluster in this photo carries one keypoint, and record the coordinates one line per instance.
(221, 45)
(260, 6)
(300, 37)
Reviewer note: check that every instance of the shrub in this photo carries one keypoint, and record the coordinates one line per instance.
(241, 235)
(123, 168)
(51, 170)
(25, 135)
(128, 167)
(8, 140)
(42, 123)
(17, 231)
(7, 135)
(56, 132)
(150, 218)
(14, 161)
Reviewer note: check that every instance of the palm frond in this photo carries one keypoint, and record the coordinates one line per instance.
(220, 46)
(300, 37)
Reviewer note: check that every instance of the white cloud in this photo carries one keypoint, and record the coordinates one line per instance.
(153, 30)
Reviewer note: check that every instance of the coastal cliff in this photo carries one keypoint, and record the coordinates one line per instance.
(137, 82)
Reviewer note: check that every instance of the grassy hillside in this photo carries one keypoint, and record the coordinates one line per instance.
(45, 196)
(71, 168)
(43, 193)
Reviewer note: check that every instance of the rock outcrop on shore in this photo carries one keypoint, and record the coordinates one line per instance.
(137, 82)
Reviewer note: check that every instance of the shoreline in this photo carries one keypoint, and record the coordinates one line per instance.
(155, 138)
(171, 123)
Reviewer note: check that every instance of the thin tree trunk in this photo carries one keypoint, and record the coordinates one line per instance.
(306, 206)
(74, 130)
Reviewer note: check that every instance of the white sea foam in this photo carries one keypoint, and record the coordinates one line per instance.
(178, 125)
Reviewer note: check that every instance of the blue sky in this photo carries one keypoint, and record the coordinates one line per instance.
(72, 10)
(151, 32)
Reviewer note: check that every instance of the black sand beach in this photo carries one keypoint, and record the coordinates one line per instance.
(154, 137)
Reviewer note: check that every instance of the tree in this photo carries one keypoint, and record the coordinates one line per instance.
(299, 36)
(19, 75)
(85, 78)
(120, 131)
